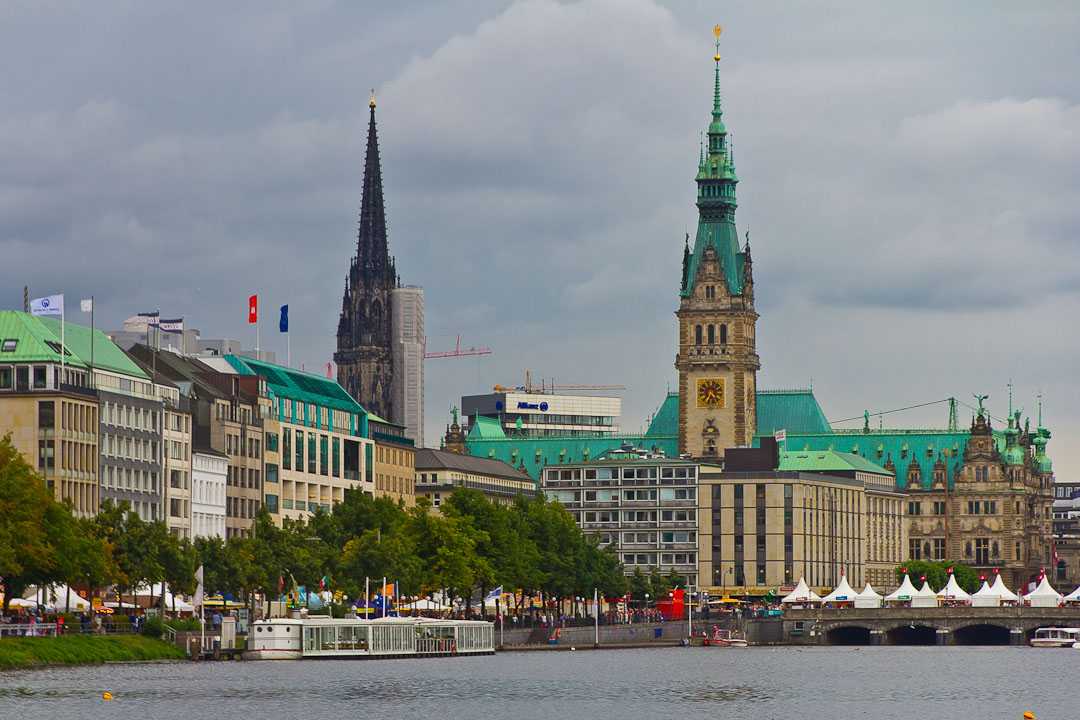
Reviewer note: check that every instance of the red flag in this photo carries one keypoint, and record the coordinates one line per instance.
(253, 309)
(949, 570)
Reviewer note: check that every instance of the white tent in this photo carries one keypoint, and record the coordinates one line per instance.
(56, 597)
(924, 597)
(1044, 595)
(1073, 597)
(802, 594)
(1003, 592)
(904, 593)
(868, 598)
(985, 596)
(953, 591)
(843, 593)
(156, 590)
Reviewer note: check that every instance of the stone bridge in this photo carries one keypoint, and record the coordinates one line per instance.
(914, 626)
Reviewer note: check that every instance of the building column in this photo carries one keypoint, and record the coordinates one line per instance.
(944, 637)
(877, 637)
(1017, 636)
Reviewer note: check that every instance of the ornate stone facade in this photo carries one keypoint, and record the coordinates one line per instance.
(997, 513)
(364, 337)
(717, 359)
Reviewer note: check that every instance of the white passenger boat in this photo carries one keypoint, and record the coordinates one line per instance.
(317, 636)
(1056, 637)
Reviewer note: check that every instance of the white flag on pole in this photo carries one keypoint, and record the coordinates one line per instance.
(199, 587)
(87, 305)
(51, 305)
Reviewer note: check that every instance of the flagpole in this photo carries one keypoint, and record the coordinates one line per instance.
(367, 597)
(63, 345)
(288, 349)
(383, 594)
(92, 343)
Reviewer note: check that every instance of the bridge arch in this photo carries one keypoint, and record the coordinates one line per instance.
(847, 635)
(916, 632)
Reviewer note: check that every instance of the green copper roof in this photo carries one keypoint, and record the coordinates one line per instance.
(31, 336)
(486, 428)
(796, 411)
(35, 333)
(107, 356)
(825, 461)
(666, 419)
(292, 384)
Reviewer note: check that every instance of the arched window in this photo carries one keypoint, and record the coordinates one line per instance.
(712, 334)
(723, 334)
(697, 334)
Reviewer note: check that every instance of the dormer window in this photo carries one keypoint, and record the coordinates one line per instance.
(9, 344)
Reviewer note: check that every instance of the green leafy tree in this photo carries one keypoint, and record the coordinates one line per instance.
(937, 574)
(27, 553)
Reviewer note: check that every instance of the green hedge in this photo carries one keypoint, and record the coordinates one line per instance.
(26, 652)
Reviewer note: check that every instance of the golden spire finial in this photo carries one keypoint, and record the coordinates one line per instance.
(371, 102)
(717, 29)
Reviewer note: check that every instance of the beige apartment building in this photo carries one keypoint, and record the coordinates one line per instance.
(49, 407)
(395, 461)
(820, 514)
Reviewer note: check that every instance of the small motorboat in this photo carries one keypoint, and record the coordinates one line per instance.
(724, 638)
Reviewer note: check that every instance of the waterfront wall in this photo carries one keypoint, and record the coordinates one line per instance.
(638, 633)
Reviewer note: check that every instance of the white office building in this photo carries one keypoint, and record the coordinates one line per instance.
(209, 469)
(544, 414)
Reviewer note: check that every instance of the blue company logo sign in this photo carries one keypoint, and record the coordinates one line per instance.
(542, 407)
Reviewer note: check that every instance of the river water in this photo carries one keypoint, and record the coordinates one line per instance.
(913, 683)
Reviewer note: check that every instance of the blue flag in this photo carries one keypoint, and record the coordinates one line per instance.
(283, 324)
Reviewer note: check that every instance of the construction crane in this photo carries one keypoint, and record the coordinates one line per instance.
(458, 351)
(551, 387)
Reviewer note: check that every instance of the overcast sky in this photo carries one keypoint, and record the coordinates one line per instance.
(910, 181)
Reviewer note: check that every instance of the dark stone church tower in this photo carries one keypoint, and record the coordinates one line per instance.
(364, 336)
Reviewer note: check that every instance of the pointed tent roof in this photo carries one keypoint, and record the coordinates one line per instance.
(1074, 596)
(869, 593)
(1003, 592)
(801, 594)
(984, 591)
(843, 592)
(906, 591)
(925, 590)
(953, 591)
(1044, 589)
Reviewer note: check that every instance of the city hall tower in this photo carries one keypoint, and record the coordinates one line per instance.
(717, 360)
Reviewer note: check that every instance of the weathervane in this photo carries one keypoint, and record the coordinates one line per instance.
(717, 29)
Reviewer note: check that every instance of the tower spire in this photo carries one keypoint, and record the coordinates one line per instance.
(372, 250)
(716, 111)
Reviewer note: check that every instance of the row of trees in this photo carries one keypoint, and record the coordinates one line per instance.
(469, 548)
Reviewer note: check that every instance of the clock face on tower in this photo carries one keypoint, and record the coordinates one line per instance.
(710, 393)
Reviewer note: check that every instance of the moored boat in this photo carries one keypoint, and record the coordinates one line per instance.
(724, 638)
(296, 638)
(1056, 637)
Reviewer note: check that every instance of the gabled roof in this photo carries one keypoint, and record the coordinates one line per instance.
(428, 459)
(796, 411)
(285, 382)
(486, 428)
